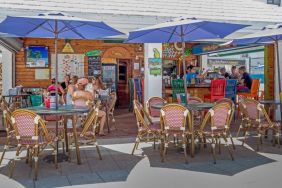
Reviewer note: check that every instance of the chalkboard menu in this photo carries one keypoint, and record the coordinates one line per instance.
(94, 66)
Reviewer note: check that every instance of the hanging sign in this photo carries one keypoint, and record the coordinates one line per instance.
(93, 53)
(68, 48)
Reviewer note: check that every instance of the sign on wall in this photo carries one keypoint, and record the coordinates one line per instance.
(42, 74)
(37, 57)
(72, 64)
(94, 66)
(155, 66)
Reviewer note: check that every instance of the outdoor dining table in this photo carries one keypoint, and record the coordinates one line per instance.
(193, 107)
(64, 110)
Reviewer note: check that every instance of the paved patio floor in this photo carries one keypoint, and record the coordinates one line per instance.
(144, 169)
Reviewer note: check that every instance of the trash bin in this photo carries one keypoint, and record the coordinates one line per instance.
(36, 100)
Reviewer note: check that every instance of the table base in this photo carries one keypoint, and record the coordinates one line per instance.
(61, 157)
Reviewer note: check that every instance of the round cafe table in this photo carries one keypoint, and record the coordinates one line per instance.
(193, 107)
(65, 110)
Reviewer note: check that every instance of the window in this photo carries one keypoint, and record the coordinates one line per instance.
(274, 2)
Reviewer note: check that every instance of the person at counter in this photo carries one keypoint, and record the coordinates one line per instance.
(245, 82)
(234, 73)
(224, 74)
(191, 73)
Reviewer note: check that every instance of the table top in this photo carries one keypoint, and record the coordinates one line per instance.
(62, 110)
(270, 102)
(194, 106)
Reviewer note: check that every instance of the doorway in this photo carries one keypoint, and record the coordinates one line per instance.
(124, 74)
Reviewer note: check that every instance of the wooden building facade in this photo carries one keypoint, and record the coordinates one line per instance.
(125, 56)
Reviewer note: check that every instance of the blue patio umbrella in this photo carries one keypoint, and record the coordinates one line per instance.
(183, 30)
(56, 25)
(268, 34)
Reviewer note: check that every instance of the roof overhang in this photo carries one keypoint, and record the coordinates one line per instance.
(12, 44)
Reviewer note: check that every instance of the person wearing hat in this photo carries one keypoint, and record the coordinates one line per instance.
(81, 93)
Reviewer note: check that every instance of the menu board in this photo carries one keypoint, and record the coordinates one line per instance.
(94, 66)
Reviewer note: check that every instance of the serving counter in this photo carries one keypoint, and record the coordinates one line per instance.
(195, 90)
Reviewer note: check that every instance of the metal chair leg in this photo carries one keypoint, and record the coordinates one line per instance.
(13, 162)
(213, 150)
(229, 150)
(3, 153)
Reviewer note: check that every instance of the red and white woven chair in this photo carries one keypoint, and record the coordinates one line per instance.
(176, 121)
(147, 130)
(31, 134)
(87, 132)
(10, 133)
(154, 113)
(231, 103)
(215, 126)
(255, 118)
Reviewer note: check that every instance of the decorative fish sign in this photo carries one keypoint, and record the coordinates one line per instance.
(156, 53)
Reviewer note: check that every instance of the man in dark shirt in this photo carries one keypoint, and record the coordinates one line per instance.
(224, 74)
(245, 79)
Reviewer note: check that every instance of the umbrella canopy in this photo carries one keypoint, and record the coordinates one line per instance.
(48, 24)
(56, 25)
(267, 34)
(183, 29)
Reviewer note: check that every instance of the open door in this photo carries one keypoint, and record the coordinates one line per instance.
(124, 74)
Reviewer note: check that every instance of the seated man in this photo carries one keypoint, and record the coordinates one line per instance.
(224, 74)
(245, 82)
(81, 97)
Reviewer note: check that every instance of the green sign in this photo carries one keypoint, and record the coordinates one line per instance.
(93, 53)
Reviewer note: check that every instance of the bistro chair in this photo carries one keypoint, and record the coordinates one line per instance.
(180, 98)
(255, 118)
(218, 88)
(145, 128)
(31, 134)
(154, 114)
(254, 93)
(10, 133)
(230, 91)
(231, 103)
(87, 132)
(215, 127)
(176, 121)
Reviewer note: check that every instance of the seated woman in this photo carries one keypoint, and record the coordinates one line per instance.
(72, 87)
(81, 96)
(52, 90)
(97, 84)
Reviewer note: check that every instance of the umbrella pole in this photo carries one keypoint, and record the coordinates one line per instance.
(184, 64)
(279, 78)
(56, 62)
